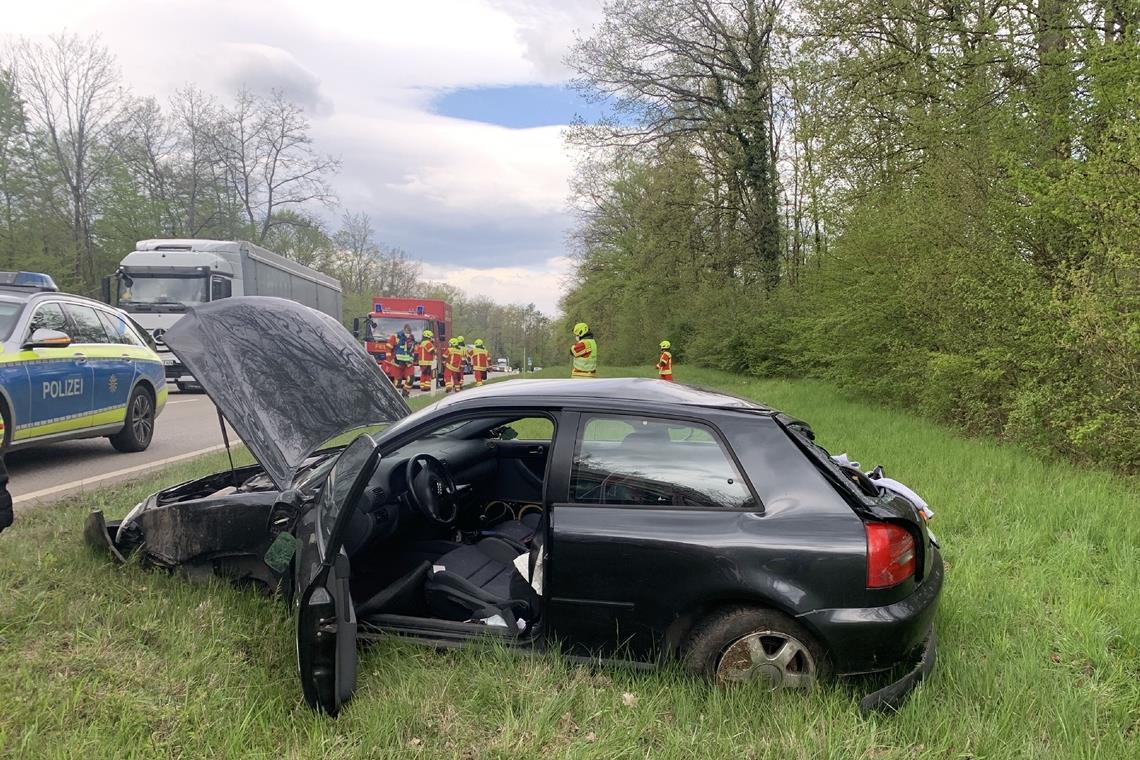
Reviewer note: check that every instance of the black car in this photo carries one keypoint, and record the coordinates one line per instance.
(634, 519)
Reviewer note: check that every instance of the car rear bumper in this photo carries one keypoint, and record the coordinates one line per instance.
(873, 639)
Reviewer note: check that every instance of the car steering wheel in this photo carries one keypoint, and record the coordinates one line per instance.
(431, 489)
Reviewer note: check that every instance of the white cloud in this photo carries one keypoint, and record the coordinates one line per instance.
(538, 285)
(465, 197)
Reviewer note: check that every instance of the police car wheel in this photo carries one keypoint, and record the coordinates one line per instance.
(7, 425)
(139, 427)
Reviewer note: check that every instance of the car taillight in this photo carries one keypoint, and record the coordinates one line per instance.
(890, 554)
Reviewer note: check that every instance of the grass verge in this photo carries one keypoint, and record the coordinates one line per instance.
(1039, 629)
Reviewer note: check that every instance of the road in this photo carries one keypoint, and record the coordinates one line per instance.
(188, 427)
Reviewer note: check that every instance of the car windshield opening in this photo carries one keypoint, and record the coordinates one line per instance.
(9, 314)
(163, 290)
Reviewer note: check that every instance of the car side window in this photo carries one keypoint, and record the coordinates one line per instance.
(654, 462)
(531, 429)
(85, 324)
(118, 331)
(48, 316)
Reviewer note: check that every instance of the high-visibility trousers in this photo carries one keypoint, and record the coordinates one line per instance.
(480, 376)
(425, 377)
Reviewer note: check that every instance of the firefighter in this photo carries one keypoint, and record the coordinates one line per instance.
(453, 369)
(665, 362)
(406, 355)
(463, 357)
(479, 361)
(425, 357)
(398, 361)
(585, 352)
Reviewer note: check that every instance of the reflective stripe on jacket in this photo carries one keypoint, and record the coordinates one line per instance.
(665, 363)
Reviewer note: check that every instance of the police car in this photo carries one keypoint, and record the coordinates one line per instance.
(71, 367)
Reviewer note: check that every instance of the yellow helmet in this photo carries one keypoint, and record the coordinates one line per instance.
(453, 342)
(666, 345)
(478, 343)
(428, 334)
(459, 340)
(581, 329)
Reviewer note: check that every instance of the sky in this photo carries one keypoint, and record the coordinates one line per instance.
(447, 115)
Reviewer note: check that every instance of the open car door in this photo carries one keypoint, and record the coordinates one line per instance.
(325, 617)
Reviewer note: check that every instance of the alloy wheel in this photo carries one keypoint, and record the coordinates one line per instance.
(142, 420)
(779, 660)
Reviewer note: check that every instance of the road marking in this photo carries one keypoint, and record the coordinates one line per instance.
(78, 485)
(183, 401)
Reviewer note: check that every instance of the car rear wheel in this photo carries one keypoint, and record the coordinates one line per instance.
(139, 426)
(755, 645)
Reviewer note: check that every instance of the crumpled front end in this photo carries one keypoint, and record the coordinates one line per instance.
(202, 528)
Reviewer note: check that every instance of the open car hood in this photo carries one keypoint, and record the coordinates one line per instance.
(286, 377)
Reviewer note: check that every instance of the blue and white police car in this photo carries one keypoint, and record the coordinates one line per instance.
(71, 367)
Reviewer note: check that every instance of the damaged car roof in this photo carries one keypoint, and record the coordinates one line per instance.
(286, 377)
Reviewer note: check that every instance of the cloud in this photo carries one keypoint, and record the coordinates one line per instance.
(460, 195)
(538, 285)
(547, 29)
(264, 68)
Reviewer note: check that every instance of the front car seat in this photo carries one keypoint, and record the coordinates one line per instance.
(479, 581)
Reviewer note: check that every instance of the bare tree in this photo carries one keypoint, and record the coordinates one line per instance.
(77, 107)
(265, 146)
(367, 267)
(202, 192)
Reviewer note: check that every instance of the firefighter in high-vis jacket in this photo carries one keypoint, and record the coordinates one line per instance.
(585, 352)
(400, 361)
(479, 361)
(453, 367)
(665, 362)
(406, 357)
(425, 358)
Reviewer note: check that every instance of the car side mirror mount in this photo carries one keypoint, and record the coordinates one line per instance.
(45, 338)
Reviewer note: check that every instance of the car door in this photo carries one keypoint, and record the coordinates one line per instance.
(112, 371)
(59, 380)
(522, 450)
(324, 614)
(648, 502)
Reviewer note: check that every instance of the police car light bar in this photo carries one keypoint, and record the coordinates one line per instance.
(32, 280)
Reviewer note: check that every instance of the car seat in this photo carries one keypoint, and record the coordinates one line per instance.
(479, 581)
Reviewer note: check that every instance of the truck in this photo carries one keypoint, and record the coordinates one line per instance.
(389, 315)
(160, 279)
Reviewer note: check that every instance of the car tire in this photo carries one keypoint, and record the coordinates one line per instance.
(753, 644)
(138, 429)
(7, 437)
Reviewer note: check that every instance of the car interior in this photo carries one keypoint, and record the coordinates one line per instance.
(450, 528)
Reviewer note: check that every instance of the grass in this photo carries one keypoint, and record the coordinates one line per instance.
(1039, 628)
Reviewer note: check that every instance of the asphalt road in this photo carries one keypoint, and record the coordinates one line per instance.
(188, 427)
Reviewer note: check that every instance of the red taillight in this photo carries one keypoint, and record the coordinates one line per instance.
(890, 554)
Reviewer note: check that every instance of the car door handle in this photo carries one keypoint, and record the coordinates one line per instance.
(536, 450)
(81, 358)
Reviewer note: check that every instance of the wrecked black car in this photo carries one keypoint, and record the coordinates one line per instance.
(624, 518)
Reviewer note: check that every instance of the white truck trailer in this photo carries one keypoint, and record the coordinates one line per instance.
(157, 281)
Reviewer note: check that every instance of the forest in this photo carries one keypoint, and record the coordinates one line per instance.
(933, 204)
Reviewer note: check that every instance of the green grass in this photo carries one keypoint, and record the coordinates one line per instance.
(1039, 628)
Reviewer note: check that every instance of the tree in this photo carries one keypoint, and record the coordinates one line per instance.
(77, 108)
(270, 161)
(698, 68)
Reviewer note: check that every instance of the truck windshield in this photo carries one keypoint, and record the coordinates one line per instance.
(163, 290)
(382, 327)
